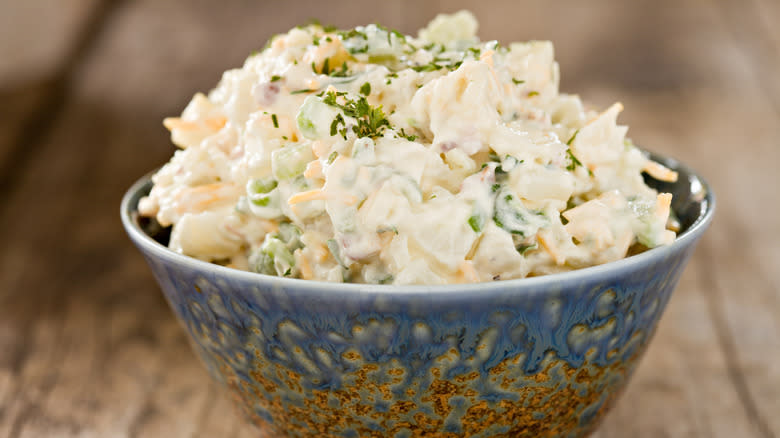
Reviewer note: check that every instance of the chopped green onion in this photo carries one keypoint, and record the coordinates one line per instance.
(365, 89)
(290, 161)
(476, 222)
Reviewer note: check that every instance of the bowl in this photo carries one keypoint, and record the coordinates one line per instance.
(535, 357)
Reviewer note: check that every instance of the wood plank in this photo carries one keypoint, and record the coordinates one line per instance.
(680, 388)
(94, 350)
(760, 46)
(30, 108)
(54, 385)
(30, 55)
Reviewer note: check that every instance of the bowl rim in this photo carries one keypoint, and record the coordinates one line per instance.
(552, 281)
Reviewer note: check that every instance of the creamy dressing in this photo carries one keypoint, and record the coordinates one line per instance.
(372, 157)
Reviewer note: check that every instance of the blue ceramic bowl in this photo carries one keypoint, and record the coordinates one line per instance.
(536, 357)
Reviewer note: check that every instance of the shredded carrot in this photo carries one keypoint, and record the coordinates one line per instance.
(270, 226)
(303, 264)
(319, 148)
(279, 43)
(172, 123)
(487, 57)
(548, 244)
(216, 123)
(663, 204)
(310, 195)
(313, 170)
(469, 273)
(660, 172)
(322, 253)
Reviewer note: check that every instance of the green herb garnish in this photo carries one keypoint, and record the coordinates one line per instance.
(571, 140)
(340, 73)
(275, 120)
(365, 89)
(407, 136)
(334, 126)
(476, 222)
(371, 121)
(574, 161)
(275, 78)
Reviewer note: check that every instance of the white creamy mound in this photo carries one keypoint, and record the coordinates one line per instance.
(368, 156)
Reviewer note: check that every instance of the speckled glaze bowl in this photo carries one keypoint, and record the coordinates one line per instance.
(537, 357)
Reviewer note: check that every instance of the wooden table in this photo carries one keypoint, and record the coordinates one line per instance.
(89, 348)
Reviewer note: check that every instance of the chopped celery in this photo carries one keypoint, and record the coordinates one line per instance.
(261, 185)
(273, 257)
(333, 247)
(477, 220)
(290, 161)
(315, 117)
(512, 216)
(290, 235)
(263, 198)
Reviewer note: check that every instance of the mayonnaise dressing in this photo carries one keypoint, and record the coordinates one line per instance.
(373, 157)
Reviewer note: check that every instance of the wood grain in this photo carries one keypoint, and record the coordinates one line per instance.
(37, 38)
(88, 346)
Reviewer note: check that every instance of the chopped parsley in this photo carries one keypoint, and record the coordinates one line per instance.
(407, 136)
(518, 81)
(533, 93)
(275, 120)
(365, 89)
(334, 126)
(371, 121)
(427, 67)
(352, 33)
(275, 78)
(342, 73)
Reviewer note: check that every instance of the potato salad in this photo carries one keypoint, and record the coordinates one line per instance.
(369, 156)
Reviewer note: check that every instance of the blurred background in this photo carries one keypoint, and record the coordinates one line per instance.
(88, 346)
